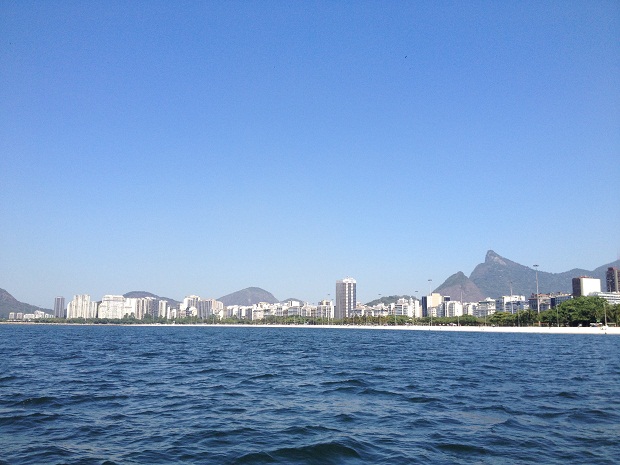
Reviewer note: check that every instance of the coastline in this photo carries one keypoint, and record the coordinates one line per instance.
(600, 330)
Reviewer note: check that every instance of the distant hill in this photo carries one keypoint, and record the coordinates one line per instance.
(141, 294)
(8, 304)
(496, 275)
(388, 299)
(248, 296)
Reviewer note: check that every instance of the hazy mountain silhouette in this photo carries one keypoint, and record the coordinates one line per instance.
(141, 294)
(496, 275)
(248, 296)
(8, 304)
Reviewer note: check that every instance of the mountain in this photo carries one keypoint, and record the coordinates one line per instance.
(459, 283)
(141, 294)
(248, 296)
(389, 299)
(496, 275)
(8, 304)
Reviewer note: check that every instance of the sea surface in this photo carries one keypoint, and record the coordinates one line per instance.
(248, 395)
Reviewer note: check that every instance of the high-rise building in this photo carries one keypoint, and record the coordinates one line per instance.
(112, 306)
(613, 279)
(584, 285)
(432, 301)
(82, 307)
(345, 297)
(60, 311)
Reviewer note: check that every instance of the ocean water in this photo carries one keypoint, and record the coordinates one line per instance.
(221, 395)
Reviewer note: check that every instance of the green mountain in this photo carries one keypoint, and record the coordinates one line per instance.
(8, 304)
(248, 296)
(389, 299)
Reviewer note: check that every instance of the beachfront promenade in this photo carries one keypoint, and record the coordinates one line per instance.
(477, 329)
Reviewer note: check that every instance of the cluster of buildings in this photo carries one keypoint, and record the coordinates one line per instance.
(345, 306)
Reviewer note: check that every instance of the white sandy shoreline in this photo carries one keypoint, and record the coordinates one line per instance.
(614, 331)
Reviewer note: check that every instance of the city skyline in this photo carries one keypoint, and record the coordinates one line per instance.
(215, 146)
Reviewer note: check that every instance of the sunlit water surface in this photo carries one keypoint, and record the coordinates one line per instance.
(201, 395)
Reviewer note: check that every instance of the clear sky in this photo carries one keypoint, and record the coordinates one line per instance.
(204, 147)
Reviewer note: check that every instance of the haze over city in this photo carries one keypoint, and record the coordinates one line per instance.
(215, 146)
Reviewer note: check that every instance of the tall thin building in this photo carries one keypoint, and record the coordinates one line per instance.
(345, 297)
(613, 279)
(60, 311)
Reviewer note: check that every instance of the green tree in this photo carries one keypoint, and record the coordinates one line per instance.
(582, 310)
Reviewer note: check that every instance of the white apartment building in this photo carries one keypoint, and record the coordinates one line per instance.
(112, 306)
(585, 285)
(207, 308)
(82, 307)
(163, 310)
(145, 306)
(510, 303)
(485, 307)
(325, 309)
(452, 308)
(405, 307)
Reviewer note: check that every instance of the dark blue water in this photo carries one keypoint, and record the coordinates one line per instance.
(191, 395)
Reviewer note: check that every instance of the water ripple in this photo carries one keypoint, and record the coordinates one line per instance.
(161, 395)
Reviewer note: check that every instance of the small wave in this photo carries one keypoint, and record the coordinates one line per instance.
(379, 392)
(36, 401)
(306, 430)
(262, 376)
(422, 399)
(459, 448)
(28, 420)
(346, 382)
(322, 453)
(591, 415)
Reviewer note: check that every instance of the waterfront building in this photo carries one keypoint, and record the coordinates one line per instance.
(82, 307)
(346, 295)
(190, 301)
(60, 310)
(557, 299)
(612, 298)
(11, 315)
(146, 306)
(510, 303)
(470, 308)
(542, 301)
(403, 307)
(163, 310)
(130, 307)
(325, 309)
(112, 306)
(452, 308)
(431, 302)
(584, 285)
(485, 307)
(613, 279)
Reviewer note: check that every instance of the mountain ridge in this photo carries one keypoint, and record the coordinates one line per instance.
(9, 304)
(498, 276)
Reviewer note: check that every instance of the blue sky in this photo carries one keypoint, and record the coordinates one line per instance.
(204, 147)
